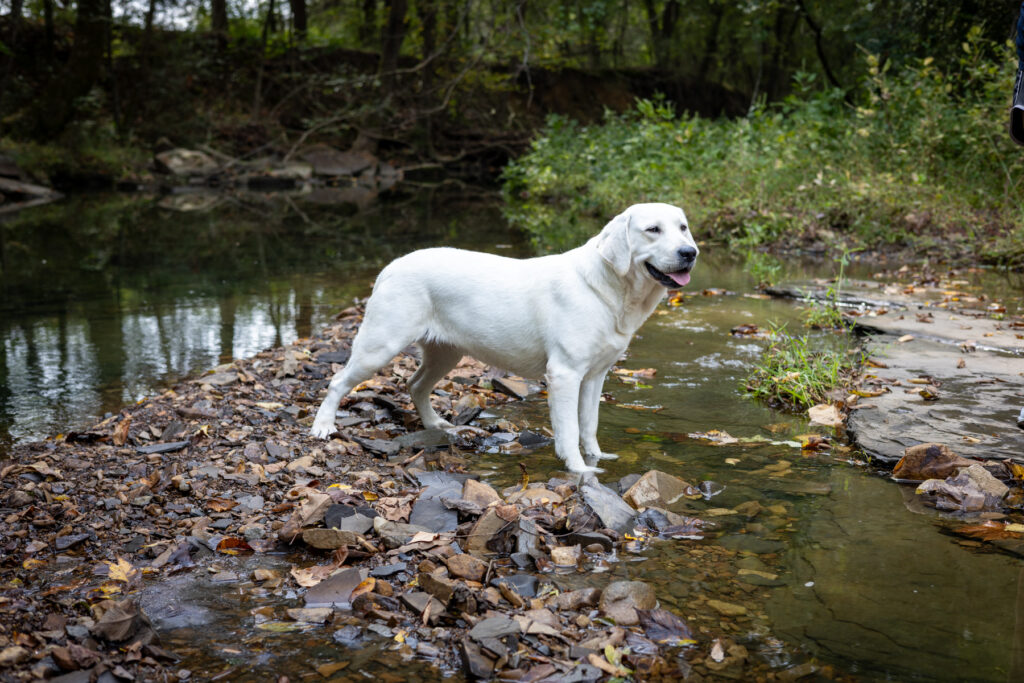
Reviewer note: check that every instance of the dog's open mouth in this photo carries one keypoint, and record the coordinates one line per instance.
(671, 280)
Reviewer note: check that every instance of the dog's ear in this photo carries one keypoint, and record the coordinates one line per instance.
(613, 244)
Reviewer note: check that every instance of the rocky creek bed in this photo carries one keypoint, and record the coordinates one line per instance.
(212, 498)
(201, 534)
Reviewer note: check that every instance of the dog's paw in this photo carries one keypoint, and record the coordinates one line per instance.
(607, 456)
(586, 469)
(322, 430)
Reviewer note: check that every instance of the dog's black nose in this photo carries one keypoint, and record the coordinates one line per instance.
(687, 254)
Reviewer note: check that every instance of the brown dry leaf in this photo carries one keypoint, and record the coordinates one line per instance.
(307, 577)
(314, 509)
(220, 504)
(905, 338)
(989, 531)
(232, 545)
(120, 436)
(395, 508)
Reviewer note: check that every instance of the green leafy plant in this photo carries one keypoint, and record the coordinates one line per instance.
(921, 160)
(791, 373)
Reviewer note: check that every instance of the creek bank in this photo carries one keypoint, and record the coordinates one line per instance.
(940, 393)
(385, 527)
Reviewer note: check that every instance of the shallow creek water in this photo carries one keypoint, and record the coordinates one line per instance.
(866, 587)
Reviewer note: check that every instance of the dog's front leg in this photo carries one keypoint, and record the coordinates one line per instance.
(563, 401)
(590, 405)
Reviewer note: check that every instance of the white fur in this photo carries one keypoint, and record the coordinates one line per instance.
(566, 318)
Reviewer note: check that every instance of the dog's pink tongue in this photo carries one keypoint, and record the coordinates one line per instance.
(680, 279)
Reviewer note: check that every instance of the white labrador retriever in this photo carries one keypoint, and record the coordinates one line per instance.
(566, 317)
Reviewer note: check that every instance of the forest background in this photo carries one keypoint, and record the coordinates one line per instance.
(782, 121)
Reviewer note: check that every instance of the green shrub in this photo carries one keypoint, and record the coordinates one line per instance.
(924, 154)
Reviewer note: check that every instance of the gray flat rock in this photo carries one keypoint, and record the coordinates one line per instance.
(613, 512)
(975, 414)
(938, 324)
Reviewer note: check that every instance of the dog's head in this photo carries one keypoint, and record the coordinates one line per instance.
(653, 241)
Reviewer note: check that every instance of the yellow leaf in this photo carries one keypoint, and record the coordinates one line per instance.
(370, 495)
(1017, 528)
(122, 570)
(400, 636)
(32, 563)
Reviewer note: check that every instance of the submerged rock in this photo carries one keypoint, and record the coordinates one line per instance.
(620, 601)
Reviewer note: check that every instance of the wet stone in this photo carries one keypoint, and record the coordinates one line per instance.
(588, 538)
(494, 627)
(477, 665)
(426, 439)
(334, 591)
(65, 542)
(479, 493)
(389, 570)
(530, 439)
(431, 514)
(466, 567)
(330, 539)
(395, 534)
(524, 584)
(752, 544)
(251, 503)
(727, 609)
(627, 481)
(349, 636)
(515, 388)
(621, 599)
(613, 512)
(655, 488)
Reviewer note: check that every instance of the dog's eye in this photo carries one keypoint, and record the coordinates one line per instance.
(684, 227)
(653, 229)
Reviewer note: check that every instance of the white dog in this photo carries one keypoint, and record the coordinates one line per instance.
(566, 318)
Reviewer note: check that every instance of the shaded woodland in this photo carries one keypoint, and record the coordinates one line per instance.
(451, 80)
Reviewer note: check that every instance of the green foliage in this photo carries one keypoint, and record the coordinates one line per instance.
(825, 315)
(792, 373)
(923, 158)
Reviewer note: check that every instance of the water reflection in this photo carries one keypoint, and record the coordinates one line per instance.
(106, 299)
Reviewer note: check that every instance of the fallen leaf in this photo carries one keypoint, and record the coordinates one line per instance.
(905, 338)
(220, 504)
(120, 436)
(122, 570)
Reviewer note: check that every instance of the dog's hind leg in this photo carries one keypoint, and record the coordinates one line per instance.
(384, 333)
(438, 359)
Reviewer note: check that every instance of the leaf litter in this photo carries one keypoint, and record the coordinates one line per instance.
(220, 471)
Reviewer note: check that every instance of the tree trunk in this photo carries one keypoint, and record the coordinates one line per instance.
(299, 19)
(663, 31)
(48, 29)
(368, 24)
(391, 39)
(56, 107)
(219, 20)
(711, 44)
